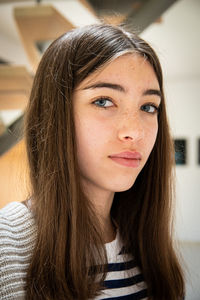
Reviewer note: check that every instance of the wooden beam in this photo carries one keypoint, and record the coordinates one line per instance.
(2, 127)
(11, 1)
(88, 6)
(39, 23)
(147, 13)
(114, 19)
(13, 100)
(15, 87)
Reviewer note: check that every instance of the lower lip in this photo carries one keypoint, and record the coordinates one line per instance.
(128, 162)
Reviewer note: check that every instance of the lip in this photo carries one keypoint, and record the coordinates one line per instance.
(128, 159)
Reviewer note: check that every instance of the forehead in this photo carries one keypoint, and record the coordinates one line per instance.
(129, 68)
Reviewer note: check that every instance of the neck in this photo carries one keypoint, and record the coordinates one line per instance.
(109, 231)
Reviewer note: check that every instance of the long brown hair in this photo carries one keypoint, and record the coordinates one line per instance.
(69, 253)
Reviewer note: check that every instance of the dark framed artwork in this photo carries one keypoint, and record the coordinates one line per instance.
(198, 151)
(180, 151)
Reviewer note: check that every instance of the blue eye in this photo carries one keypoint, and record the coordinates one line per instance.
(150, 108)
(103, 102)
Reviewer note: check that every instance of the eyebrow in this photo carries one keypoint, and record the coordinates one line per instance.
(152, 92)
(120, 88)
(113, 86)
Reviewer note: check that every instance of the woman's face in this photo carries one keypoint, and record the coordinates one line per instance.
(115, 112)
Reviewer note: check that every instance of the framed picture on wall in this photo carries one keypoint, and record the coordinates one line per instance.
(198, 151)
(180, 151)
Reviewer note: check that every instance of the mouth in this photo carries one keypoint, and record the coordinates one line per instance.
(127, 159)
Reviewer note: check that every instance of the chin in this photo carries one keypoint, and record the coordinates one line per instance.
(122, 187)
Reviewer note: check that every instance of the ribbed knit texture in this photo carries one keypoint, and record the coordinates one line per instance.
(17, 239)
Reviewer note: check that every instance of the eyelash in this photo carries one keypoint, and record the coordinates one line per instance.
(110, 100)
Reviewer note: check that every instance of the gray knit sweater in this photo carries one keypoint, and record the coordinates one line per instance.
(17, 239)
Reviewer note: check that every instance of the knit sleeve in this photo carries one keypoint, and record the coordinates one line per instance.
(17, 240)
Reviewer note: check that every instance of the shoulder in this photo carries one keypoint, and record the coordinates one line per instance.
(17, 240)
(17, 224)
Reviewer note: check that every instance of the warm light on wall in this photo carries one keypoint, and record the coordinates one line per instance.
(14, 175)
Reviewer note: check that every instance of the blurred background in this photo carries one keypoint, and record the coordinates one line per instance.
(172, 28)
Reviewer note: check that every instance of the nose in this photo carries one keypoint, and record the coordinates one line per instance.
(131, 129)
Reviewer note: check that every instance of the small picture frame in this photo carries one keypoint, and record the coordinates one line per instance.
(180, 151)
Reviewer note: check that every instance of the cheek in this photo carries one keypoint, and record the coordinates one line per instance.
(153, 135)
(150, 136)
(92, 134)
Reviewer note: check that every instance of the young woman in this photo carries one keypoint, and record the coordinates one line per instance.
(98, 224)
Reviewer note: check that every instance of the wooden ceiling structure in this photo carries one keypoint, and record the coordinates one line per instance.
(39, 23)
(15, 86)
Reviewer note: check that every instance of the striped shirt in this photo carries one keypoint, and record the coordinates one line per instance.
(124, 280)
(18, 233)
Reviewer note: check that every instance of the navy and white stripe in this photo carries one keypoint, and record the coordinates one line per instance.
(124, 280)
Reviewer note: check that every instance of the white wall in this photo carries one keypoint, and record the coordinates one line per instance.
(177, 42)
(184, 108)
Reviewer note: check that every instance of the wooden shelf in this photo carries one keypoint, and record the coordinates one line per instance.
(39, 23)
(15, 87)
(114, 19)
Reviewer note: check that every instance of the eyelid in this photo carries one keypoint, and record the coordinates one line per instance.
(103, 98)
(156, 106)
(153, 104)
